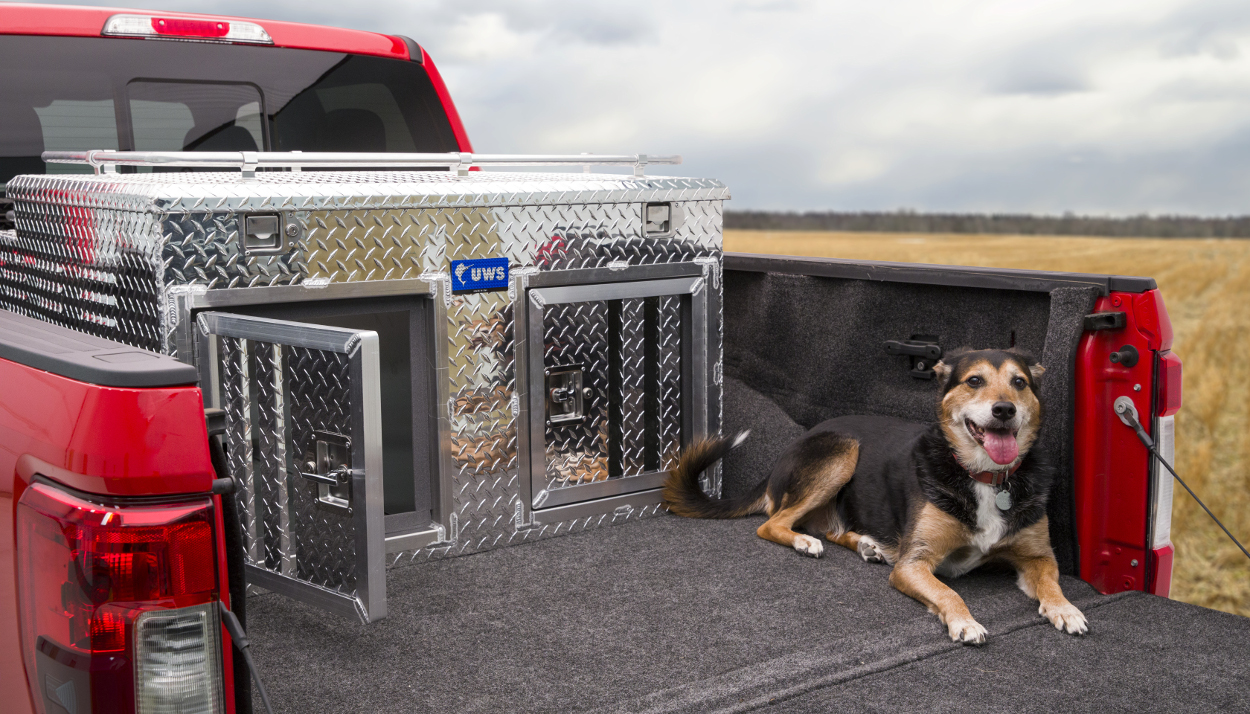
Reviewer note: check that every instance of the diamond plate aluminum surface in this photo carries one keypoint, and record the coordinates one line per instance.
(319, 385)
(577, 334)
(225, 192)
(627, 374)
(276, 398)
(105, 255)
(633, 390)
(670, 379)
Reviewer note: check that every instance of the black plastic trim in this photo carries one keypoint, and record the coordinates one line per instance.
(953, 275)
(87, 358)
(1131, 283)
(1105, 321)
(414, 50)
(112, 501)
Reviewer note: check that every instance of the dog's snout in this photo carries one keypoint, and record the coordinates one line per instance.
(1003, 410)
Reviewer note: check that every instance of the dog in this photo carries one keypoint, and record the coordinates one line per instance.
(928, 499)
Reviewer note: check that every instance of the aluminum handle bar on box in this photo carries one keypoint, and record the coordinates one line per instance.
(249, 161)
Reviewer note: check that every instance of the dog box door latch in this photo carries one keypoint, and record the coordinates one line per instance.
(923, 351)
(329, 468)
(566, 395)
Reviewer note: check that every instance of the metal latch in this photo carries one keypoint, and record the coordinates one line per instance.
(330, 469)
(661, 219)
(269, 233)
(566, 395)
(923, 351)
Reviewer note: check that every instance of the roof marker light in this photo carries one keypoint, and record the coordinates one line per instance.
(185, 28)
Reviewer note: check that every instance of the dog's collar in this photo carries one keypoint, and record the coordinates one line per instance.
(990, 478)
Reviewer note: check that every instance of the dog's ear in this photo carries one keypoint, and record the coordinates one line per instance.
(1030, 362)
(946, 367)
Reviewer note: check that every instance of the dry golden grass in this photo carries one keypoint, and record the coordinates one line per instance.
(1206, 285)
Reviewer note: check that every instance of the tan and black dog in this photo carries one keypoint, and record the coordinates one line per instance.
(928, 499)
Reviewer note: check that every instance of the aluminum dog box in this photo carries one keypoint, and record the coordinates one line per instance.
(411, 363)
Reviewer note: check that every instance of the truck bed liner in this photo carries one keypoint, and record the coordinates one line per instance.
(669, 614)
(1147, 654)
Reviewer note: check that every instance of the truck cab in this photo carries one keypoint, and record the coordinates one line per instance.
(127, 80)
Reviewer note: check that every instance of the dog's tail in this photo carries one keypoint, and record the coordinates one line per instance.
(683, 495)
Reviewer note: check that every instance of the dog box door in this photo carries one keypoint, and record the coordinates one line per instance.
(617, 383)
(303, 444)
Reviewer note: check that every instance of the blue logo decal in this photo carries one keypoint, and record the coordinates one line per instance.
(479, 275)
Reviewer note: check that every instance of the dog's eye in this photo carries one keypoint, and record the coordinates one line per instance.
(1018, 383)
(974, 382)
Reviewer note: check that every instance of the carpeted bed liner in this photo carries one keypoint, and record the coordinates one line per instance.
(663, 614)
(1146, 654)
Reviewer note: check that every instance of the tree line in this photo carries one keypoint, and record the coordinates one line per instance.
(997, 223)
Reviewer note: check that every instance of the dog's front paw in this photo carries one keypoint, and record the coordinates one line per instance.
(808, 545)
(968, 632)
(1065, 617)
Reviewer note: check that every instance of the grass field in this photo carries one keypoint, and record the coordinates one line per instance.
(1206, 285)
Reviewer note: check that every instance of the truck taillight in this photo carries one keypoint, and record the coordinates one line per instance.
(176, 661)
(117, 604)
(1167, 403)
(1168, 384)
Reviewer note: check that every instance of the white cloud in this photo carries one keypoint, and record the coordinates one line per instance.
(1117, 106)
(486, 37)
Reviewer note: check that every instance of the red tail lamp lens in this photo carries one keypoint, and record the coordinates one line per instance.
(1168, 382)
(85, 573)
(176, 27)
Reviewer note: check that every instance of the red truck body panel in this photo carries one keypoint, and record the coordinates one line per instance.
(1112, 467)
(104, 440)
(453, 116)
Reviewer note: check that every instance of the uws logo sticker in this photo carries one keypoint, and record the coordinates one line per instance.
(478, 275)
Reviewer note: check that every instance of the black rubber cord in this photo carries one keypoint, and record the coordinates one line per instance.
(234, 562)
(244, 647)
(1150, 445)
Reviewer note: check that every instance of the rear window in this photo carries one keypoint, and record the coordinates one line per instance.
(75, 94)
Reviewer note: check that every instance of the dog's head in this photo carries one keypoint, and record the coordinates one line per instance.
(990, 411)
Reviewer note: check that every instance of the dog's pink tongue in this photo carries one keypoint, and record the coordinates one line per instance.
(1001, 446)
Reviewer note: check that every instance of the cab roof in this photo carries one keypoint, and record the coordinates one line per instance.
(80, 21)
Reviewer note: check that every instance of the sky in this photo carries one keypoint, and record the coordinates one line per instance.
(1107, 107)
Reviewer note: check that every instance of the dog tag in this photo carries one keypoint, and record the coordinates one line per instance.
(1003, 500)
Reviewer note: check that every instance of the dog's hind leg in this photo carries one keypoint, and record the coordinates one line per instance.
(866, 546)
(812, 486)
(780, 529)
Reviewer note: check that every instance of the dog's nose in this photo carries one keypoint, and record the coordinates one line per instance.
(1003, 410)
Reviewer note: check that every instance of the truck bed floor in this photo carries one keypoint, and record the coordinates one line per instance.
(669, 614)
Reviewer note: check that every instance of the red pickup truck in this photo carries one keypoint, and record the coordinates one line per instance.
(113, 505)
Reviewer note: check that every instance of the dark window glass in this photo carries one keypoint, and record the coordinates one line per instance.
(202, 116)
(79, 93)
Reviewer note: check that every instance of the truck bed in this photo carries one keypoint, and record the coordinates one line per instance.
(670, 614)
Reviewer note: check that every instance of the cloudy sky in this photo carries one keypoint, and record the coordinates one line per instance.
(1106, 107)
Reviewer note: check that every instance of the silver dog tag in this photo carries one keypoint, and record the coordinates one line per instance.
(1003, 500)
